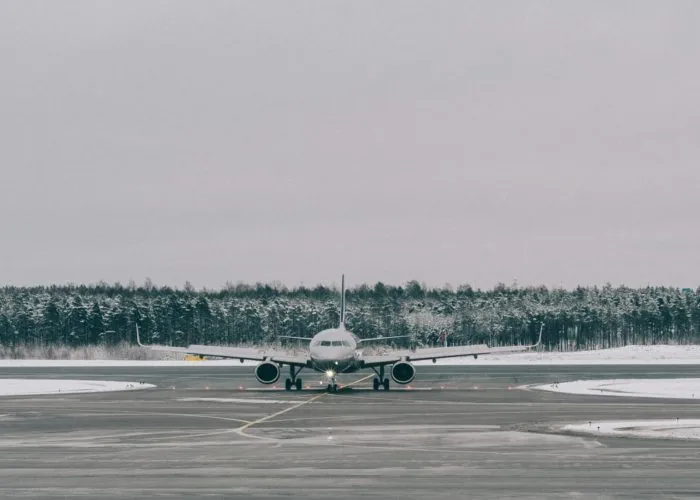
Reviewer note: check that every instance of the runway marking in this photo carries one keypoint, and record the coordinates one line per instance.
(242, 430)
(383, 417)
(105, 413)
(150, 444)
(359, 380)
(239, 400)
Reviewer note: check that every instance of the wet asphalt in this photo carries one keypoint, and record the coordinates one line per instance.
(457, 432)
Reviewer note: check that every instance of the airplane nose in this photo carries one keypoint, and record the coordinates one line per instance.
(333, 353)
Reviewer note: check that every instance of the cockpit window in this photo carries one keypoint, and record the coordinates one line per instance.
(332, 343)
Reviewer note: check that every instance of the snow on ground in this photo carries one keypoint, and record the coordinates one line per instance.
(23, 387)
(662, 429)
(680, 388)
(113, 363)
(635, 354)
(675, 388)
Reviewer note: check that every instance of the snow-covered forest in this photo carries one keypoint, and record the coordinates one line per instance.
(583, 318)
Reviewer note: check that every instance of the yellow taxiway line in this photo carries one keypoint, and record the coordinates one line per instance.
(242, 429)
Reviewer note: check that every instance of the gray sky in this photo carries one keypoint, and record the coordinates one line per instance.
(443, 141)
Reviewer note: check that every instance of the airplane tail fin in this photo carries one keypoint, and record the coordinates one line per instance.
(342, 301)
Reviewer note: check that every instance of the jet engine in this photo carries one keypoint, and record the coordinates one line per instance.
(403, 372)
(267, 373)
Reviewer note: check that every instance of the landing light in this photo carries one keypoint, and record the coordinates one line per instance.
(330, 373)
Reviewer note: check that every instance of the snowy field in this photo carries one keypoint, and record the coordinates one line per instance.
(659, 354)
(688, 429)
(680, 388)
(674, 388)
(633, 354)
(20, 387)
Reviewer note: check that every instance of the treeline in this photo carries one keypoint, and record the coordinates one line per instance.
(584, 318)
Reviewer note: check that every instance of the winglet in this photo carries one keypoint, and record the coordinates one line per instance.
(342, 302)
(539, 340)
(138, 337)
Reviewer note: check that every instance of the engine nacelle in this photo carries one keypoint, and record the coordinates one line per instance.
(267, 373)
(403, 372)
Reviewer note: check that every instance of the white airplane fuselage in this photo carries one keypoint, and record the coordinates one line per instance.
(335, 351)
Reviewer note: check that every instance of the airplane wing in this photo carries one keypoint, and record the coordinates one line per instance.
(444, 352)
(383, 338)
(242, 353)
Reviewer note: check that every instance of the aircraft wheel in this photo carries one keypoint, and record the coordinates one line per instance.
(288, 384)
(375, 384)
(335, 387)
(298, 384)
(329, 388)
(386, 384)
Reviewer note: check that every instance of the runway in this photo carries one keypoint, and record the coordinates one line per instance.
(460, 432)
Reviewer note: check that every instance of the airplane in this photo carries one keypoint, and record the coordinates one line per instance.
(335, 351)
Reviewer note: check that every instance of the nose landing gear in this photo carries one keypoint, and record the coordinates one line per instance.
(333, 385)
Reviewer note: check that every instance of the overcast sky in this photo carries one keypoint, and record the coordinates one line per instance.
(553, 143)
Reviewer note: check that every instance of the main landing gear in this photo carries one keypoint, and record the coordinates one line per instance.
(376, 384)
(293, 381)
(380, 379)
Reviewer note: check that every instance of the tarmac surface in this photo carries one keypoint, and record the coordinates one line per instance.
(459, 432)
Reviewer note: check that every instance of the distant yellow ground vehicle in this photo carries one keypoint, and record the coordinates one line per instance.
(194, 357)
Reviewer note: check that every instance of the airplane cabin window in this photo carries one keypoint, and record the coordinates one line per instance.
(337, 343)
(325, 343)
